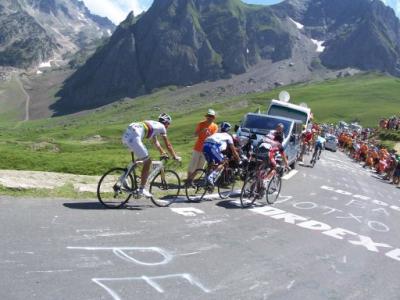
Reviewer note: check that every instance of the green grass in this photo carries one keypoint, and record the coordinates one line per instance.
(12, 101)
(391, 135)
(65, 144)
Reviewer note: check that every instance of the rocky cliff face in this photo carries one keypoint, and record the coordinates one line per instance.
(35, 31)
(179, 42)
(362, 34)
(182, 42)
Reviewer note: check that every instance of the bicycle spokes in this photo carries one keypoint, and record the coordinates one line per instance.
(110, 190)
(165, 188)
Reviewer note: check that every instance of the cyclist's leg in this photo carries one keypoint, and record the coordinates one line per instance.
(272, 168)
(217, 158)
(269, 174)
(314, 155)
(319, 150)
(134, 142)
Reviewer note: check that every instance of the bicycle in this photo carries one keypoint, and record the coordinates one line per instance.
(114, 192)
(257, 185)
(199, 186)
(316, 156)
(304, 150)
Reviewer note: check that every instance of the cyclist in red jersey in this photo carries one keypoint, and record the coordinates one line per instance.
(275, 138)
(306, 137)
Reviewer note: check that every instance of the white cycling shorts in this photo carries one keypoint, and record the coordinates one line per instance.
(133, 140)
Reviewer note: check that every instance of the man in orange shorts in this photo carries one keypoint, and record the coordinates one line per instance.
(203, 130)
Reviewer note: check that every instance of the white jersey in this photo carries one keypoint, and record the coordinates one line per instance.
(148, 129)
(222, 139)
(321, 140)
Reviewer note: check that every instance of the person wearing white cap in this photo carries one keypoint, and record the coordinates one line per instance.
(203, 130)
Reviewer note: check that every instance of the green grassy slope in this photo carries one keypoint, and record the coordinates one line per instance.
(12, 100)
(72, 144)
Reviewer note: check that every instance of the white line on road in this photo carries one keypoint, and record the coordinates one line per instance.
(290, 175)
(291, 284)
(49, 271)
(187, 211)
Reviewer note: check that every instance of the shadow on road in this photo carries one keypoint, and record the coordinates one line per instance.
(229, 204)
(381, 179)
(234, 203)
(84, 205)
(99, 206)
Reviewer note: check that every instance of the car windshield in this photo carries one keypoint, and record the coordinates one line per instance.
(263, 123)
(330, 138)
(288, 113)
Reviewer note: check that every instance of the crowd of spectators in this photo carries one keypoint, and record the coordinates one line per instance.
(364, 148)
(392, 123)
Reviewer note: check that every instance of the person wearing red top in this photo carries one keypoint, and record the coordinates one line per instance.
(203, 130)
(276, 140)
(306, 137)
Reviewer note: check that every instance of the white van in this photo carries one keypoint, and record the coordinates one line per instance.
(290, 111)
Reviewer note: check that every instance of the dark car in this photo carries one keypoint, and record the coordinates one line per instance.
(257, 126)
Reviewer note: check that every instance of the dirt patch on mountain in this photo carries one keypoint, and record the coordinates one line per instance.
(45, 146)
(96, 139)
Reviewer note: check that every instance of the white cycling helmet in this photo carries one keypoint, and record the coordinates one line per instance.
(164, 119)
(225, 127)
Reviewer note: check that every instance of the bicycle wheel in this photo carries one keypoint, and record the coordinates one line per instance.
(226, 184)
(273, 189)
(196, 190)
(110, 191)
(249, 192)
(165, 188)
(313, 160)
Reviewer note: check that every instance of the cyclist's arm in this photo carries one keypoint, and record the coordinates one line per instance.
(157, 145)
(169, 147)
(234, 152)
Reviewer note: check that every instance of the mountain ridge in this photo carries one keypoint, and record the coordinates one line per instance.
(183, 42)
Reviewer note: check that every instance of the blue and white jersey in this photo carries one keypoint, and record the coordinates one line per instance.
(321, 141)
(221, 139)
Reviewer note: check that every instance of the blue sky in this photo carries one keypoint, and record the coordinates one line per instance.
(117, 10)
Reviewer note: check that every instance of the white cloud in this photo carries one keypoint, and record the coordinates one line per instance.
(115, 10)
(395, 4)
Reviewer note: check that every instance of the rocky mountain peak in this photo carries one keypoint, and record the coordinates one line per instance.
(183, 42)
(35, 31)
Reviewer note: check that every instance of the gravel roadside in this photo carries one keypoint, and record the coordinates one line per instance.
(24, 180)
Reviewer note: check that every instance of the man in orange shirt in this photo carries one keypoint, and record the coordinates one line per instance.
(203, 130)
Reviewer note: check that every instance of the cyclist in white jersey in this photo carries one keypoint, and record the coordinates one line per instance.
(213, 147)
(133, 139)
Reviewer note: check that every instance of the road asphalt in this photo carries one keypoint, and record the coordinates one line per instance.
(333, 234)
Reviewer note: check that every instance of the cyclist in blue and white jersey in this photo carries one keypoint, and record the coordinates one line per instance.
(213, 147)
(320, 143)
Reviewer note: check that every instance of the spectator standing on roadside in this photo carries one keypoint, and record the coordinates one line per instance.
(203, 130)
